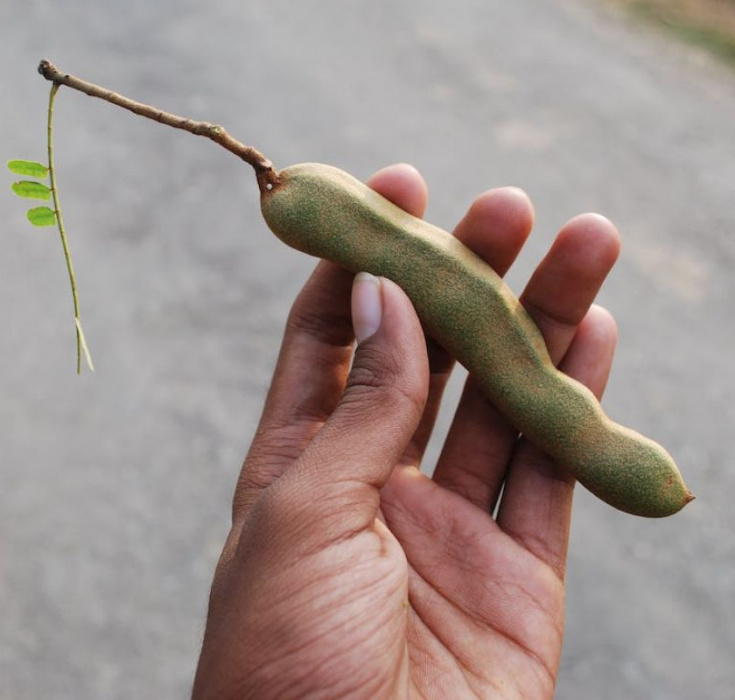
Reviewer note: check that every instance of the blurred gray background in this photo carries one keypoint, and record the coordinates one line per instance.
(115, 487)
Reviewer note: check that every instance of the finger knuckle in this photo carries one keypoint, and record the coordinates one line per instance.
(332, 328)
(379, 379)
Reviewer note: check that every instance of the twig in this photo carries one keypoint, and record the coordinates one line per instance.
(264, 170)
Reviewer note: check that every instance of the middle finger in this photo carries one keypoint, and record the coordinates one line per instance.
(495, 227)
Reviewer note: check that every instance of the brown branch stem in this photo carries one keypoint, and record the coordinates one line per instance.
(264, 170)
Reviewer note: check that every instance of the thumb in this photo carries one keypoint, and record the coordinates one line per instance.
(388, 384)
(355, 451)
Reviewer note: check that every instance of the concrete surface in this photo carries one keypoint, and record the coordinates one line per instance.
(116, 487)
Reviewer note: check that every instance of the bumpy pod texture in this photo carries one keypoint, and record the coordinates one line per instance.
(468, 309)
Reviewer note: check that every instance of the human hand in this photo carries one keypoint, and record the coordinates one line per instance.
(348, 572)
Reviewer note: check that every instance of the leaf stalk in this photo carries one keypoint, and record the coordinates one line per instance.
(81, 343)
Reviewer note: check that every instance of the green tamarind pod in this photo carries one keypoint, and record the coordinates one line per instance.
(471, 312)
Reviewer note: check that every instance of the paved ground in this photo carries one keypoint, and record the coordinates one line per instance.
(116, 487)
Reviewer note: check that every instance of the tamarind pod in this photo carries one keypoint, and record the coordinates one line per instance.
(468, 309)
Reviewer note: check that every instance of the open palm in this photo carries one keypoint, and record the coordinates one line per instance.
(348, 572)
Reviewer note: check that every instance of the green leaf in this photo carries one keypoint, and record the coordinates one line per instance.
(32, 190)
(28, 167)
(42, 216)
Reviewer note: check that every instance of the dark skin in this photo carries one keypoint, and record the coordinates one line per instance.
(350, 574)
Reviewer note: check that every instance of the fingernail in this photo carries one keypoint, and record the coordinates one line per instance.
(367, 305)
